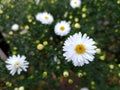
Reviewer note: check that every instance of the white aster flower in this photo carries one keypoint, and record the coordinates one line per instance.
(75, 3)
(84, 88)
(37, 1)
(44, 18)
(15, 27)
(16, 64)
(79, 49)
(24, 31)
(62, 28)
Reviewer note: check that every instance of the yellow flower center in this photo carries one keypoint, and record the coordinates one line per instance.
(75, 2)
(80, 49)
(17, 64)
(62, 28)
(46, 17)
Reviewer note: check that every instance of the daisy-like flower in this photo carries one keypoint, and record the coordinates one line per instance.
(44, 18)
(15, 64)
(62, 28)
(75, 3)
(37, 1)
(15, 27)
(79, 49)
(84, 88)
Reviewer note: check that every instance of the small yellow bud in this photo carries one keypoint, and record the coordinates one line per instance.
(21, 27)
(34, 23)
(70, 81)
(77, 25)
(79, 74)
(12, 6)
(116, 30)
(83, 15)
(37, 41)
(1, 11)
(31, 77)
(84, 73)
(118, 2)
(45, 43)
(14, 52)
(52, 1)
(84, 9)
(111, 66)
(65, 15)
(92, 28)
(118, 65)
(61, 42)
(21, 88)
(15, 48)
(70, 16)
(7, 17)
(16, 88)
(28, 16)
(51, 38)
(10, 33)
(96, 43)
(92, 83)
(26, 27)
(65, 73)
(57, 67)
(29, 20)
(69, 22)
(98, 51)
(8, 42)
(119, 74)
(76, 19)
(102, 57)
(8, 84)
(44, 74)
(40, 46)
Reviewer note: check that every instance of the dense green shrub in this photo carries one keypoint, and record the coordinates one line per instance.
(48, 69)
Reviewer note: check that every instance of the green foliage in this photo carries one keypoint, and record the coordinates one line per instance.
(100, 19)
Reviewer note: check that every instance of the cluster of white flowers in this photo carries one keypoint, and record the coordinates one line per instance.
(61, 28)
(44, 18)
(78, 48)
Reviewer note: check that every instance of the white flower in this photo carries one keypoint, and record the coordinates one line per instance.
(20, 88)
(16, 64)
(79, 49)
(37, 1)
(75, 3)
(15, 27)
(44, 18)
(62, 28)
(55, 58)
(24, 31)
(84, 88)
